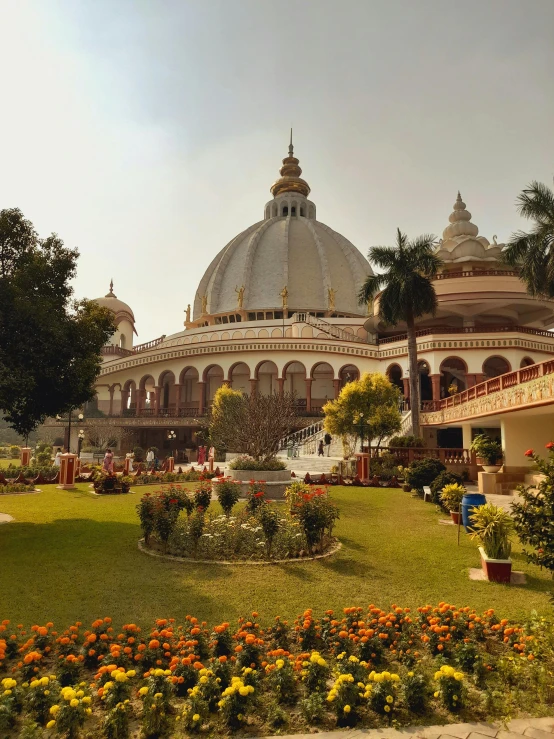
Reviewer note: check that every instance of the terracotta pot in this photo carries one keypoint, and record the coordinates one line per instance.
(496, 570)
(456, 516)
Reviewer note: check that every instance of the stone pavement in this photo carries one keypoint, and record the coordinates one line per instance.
(5, 518)
(532, 728)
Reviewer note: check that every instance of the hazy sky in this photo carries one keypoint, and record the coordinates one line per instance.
(148, 132)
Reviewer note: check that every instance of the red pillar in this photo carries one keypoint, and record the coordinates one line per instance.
(25, 456)
(436, 385)
(68, 470)
(308, 393)
(201, 396)
(177, 392)
(336, 387)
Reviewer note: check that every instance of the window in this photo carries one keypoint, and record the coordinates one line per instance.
(225, 319)
(238, 319)
(251, 316)
(259, 316)
(231, 319)
(278, 314)
(285, 210)
(301, 212)
(293, 211)
(269, 315)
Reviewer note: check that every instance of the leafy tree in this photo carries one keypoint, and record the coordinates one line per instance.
(251, 424)
(533, 252)
(407, 293)
(49, 344)
(372, 397)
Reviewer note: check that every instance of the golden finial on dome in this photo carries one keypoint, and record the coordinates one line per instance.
(290, 180)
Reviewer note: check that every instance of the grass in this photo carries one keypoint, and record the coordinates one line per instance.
(72, 555)
(6, 463)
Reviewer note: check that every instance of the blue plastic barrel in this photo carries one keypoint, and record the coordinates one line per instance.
(469, 502)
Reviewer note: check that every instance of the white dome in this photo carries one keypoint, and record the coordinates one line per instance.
(321, 270)
(119, 308)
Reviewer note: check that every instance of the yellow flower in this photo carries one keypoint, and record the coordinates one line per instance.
(54, 710)
(387, 709)
(458, 676)
(243, 690)
(46, 692)
(436, 694)
(410, 674)
(347, 709)
(159, 672)
(203, 679)
(79, 694)
(88, 711)
(7, 692)
(158, 695)
(121, 677)
(389, 699)
(50, 724)
(196, 717)
(74, 703)
(86, 700)
(394, 677)
(143, 691)
(44, 681)
(321, 662)
(280, 663)
(131, 673)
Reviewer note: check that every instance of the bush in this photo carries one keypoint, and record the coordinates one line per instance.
(451, 496)
(228, 494)
(244, 462)
(203, 496)
(412, 442)
(16, 488)
(15, 452)
(317, 515)
(111, 484)
(445, 478)
(139, 455)
(423, 472)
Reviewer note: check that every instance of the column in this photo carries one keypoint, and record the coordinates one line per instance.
(308, 393)
(110, 411)
(25, 456)
(157, 398)
(124, 401)
(201, 396)
(68, 470)
(141, 397)
(280, 385)
(336, 387)
(253, 387)
(466, 435)
(177, 392)
(436, 385)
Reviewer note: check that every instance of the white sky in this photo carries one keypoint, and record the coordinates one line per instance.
(147, 132)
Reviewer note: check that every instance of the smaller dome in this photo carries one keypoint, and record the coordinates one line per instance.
(460, 240)
(111, 301)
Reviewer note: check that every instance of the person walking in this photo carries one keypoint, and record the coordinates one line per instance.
(320, 450)
(108, 462)
(328, 439)
(149, 458)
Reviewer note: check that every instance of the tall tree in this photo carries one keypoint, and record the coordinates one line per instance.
(407, 292)
(49, 344)
(533, 252)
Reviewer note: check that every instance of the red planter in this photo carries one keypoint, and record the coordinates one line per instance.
(496, 570)
(456, 517)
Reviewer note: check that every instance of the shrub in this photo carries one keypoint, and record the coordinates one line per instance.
(203, 496)
(269, 518)
(407, 442)
(15, 452)
(111, 484)
(244, 462)
(255, 497)
(146, 511)
(422, 473)
(445, 478)
(493, 526)
(487, 448)
(228, 494)
(532, 514)
(16, 488)
(451, 688)
(316, 514)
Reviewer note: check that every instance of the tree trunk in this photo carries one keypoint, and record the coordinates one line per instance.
(414, 375)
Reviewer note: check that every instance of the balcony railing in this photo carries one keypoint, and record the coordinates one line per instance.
(120, 352)
(470, 330)
(494, 385)
(484, 273)
(405, 456)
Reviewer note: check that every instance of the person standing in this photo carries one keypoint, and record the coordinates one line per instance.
(149, 458)
(328, 439)
(201, 454)
(108, 462)
(58, 458)
(320, 450)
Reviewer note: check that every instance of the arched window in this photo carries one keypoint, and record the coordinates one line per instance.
(526, 362)
(302, 212)
(425, 386)
(122, 341)
(394, 373)
(293, 211)
(494, 366)
(285, 210)
(453, 376)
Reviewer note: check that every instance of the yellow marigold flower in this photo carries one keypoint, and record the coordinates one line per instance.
(167, 672)
(143, 691)
(436, 694)
(347, 709)
(44, 681)
(131, 673)
(88, 711)
(395, 678)
(159, 672)
(389, 699)
(79, 694)
(7, 692)
(458, 676)
(203, 680)
(196, 717)
(387, 709)
(50, 724)
(46, 692)
(74, 703)
(438, 675)
(321, 662)
(410, 674)
(386, 675)
(86, 700)
(54, 710)
(158, 695)
(280, 663)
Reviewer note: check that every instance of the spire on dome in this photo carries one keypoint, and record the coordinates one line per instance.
(111, 293)
(290, 180)
(460, 221)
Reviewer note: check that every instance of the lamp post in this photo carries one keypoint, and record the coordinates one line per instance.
(59, 418)
(81, 438)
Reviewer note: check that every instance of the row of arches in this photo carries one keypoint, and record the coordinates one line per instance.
(453, 376)
(190, 392)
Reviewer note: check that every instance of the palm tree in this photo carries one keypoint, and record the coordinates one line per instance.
(406, 293)
(533, 252)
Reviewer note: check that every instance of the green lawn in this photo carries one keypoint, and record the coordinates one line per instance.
(6, 463)
(72, 555)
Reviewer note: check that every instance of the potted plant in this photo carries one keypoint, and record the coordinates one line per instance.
(493, 526)
(488, 452)
(451, 497)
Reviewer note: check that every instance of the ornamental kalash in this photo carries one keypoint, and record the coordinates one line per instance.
(277, 309)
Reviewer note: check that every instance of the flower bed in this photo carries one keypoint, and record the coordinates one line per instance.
(111, 484)
(260, 531)
(369, 667)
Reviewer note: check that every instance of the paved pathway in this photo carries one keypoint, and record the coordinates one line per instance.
(533, 728)
(5, 518)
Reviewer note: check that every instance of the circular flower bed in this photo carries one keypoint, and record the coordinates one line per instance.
(361, 666)
(178, 523)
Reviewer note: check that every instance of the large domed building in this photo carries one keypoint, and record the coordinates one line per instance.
(277, 309)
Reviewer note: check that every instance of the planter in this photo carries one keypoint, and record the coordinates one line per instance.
(487, 465)
(275, 481)
(496, 570)
(407, 488)
(456, 516)
(491, 467)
